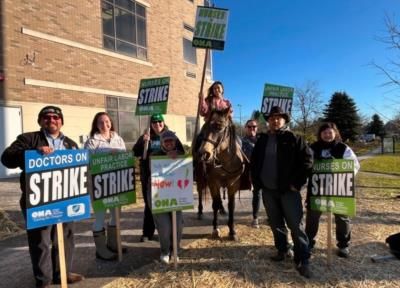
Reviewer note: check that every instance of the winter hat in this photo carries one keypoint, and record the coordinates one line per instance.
(156, 118)
(51, 109)
(277, 111)
(167, 134)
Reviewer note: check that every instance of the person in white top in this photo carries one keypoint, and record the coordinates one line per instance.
(103, 138)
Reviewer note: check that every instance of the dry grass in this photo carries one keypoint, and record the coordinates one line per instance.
(215, 263)
(7, 227)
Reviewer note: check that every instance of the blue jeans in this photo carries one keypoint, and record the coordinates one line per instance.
(256, 202)
(287, 209)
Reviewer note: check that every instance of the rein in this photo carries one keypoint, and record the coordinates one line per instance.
(216, 163)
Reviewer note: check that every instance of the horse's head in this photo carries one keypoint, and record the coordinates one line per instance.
(216, 135)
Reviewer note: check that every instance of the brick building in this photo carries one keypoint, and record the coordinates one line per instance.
(88, 56)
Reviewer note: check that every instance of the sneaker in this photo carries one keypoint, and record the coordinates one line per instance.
(255, 224)
(164, 259)
(146, 238)
(304, 270)
(343, 252)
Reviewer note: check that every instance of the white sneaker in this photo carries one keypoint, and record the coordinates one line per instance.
(255, 224)
(164, 259)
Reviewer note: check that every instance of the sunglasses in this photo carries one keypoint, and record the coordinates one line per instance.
(253, 127)
(154, 122)
(49, 117)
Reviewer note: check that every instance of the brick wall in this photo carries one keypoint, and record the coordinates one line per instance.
(80, 22)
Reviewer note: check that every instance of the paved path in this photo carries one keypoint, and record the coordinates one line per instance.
(15, 265)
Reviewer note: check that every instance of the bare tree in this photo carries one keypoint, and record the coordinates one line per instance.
(392, 69)
(307, 107)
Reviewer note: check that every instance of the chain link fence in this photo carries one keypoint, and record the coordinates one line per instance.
(390, 145)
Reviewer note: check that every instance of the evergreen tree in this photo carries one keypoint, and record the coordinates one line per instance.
(376, 126)
(342, 111)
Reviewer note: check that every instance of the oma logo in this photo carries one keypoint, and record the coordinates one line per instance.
(75, 209)
(42, 214)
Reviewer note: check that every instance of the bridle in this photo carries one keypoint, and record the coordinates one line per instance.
(215, 162)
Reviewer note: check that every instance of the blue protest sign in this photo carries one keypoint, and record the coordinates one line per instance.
(56, 187)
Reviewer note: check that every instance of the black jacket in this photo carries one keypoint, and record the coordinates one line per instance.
(294, 160)
(14, 155)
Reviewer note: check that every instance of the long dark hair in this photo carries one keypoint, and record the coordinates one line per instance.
(94, 129)
(329, 125)
(210, 93)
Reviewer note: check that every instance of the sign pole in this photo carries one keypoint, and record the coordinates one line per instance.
(61, 255)
(196, 128)
(146, 144)
(329, 250)
(174, 239)
(118, 232)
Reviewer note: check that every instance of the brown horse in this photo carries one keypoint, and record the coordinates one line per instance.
(222, 161)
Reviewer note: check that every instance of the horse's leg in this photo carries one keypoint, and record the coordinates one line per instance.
(216, 204)
(231, 209)
(221, 208)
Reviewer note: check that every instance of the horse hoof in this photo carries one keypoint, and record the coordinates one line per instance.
(216, 234)
(233, 237)
(222, 212)
(199, 216)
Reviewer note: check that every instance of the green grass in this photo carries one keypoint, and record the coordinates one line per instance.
(382, 164)
(378, 184)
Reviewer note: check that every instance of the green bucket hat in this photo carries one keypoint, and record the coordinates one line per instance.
(156, 118)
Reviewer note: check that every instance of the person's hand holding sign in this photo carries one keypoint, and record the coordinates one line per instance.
(201, 95)
(45, 150)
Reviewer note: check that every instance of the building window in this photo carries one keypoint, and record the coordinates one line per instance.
(126, 123)
(124, 27)
(190, 125)
(189, 52)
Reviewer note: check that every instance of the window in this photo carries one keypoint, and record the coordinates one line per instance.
(189, 52)
(190, 125)
(124, 27)
(126, 123)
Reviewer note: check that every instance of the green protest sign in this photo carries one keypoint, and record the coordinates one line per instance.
(211, 28)
(332, 186)
(153, 96)
(171, 183)
(277, 95)
(113, 180)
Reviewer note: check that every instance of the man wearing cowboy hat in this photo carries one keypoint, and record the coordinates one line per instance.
(280, 164)
(43, 246)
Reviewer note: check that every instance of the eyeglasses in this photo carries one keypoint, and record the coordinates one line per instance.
(252, 127)
(155, 122)
(49, 117)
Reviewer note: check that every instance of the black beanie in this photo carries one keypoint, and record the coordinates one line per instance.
(51, 109)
